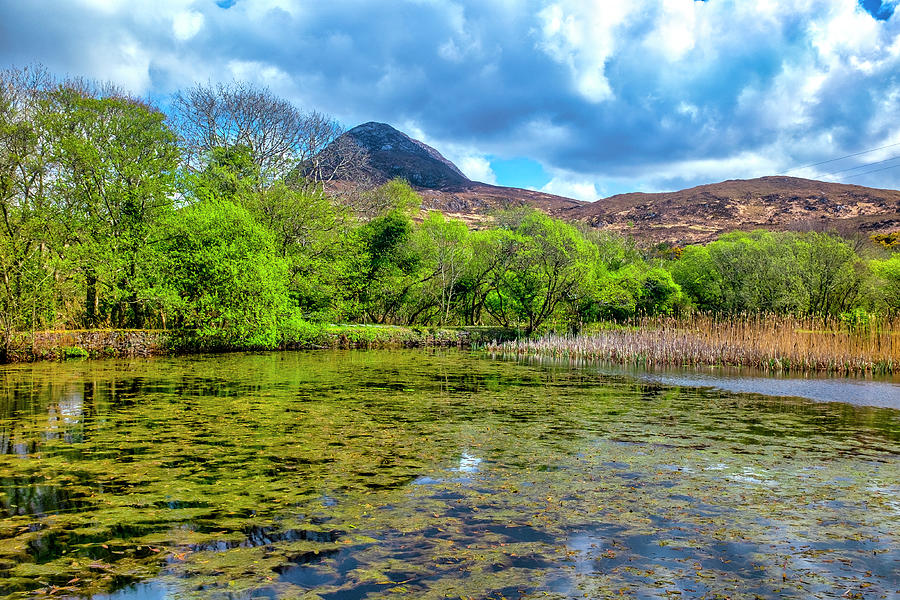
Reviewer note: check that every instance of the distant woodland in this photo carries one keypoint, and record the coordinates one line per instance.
(221, 215)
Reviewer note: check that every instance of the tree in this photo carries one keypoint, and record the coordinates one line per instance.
(653, 289)
(219, 275)
(549, 259)
(698, 276)
(390, 265)
(442, 245)
(313, 235)
(888, 273)
(830, 270)
(490, 253)
(114, 162)
(280, 137)
(802, 273)
(743, 272)
(395, 194)
(27, 298)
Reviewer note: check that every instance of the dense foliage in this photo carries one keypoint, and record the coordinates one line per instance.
(212, 220)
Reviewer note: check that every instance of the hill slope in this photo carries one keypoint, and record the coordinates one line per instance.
(702, 213)
(697, 214)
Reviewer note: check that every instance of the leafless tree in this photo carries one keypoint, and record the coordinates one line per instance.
(343, 160)
(280, 137)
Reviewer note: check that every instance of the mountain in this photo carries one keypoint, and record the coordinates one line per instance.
(694, 215)
(391, 154)
(702, 213)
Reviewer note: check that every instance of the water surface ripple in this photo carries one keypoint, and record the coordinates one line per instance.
(385, 474)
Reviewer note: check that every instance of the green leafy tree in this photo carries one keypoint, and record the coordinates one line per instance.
(548, 260)
(221, 276)
(634, 289)
(381, 276)
(395, 195)
(229, 172)
(28, 278)
(313, 234)
(832, 274)
(490, 252)
(888, 273)
(114, 162)
(389, 266)
(698, 276)
(742, 272)
(442, 245)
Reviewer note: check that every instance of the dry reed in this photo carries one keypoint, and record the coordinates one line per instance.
(772, 343)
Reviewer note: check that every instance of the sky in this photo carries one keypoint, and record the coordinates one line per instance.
(575, 97)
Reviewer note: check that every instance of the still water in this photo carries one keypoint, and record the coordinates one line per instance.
(418, 474)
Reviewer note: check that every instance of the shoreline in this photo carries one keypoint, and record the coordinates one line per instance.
(131, 343)
(779, 346)
(718, 345)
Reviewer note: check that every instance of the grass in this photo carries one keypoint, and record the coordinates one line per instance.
(91, 343)
(770, 343)
(326, 335)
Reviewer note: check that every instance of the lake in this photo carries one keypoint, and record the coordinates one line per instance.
(436, 474)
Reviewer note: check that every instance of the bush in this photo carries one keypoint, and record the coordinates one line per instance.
(221, 276)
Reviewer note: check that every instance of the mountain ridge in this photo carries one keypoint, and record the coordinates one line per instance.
(692, 215)
(776, 202)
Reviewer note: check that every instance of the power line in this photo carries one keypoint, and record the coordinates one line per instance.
(872, 171)
(840, 158)
(863, 166)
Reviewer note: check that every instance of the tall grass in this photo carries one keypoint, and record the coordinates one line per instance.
(772, 343)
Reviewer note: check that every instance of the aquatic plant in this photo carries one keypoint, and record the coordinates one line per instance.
(431, 474)
(767, 342)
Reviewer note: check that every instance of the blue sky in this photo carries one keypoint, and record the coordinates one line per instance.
(576, 97)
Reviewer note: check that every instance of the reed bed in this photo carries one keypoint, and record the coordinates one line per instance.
(771, 343)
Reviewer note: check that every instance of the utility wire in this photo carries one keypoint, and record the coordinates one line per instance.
(863, 166)
(872, 171)
(839, 158)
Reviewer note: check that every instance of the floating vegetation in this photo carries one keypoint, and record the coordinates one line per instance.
(336, 475)
(770, 343)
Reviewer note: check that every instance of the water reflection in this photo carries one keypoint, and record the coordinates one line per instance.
(881, 391)
(433, 474)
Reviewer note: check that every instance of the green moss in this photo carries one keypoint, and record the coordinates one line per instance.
(75, 352)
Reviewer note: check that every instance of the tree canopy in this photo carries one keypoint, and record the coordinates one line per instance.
(211, 220)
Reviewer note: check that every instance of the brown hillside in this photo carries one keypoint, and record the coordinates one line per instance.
(702, 213)
(694, 215)
(475, 201)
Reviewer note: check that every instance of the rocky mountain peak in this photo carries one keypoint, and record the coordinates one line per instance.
(392, 153)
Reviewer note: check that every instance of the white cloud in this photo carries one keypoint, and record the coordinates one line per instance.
(582, 36)
(743, 165)
(572, 186)
(187, 24)
(476, 168)
(123, 61)
(676, 28)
